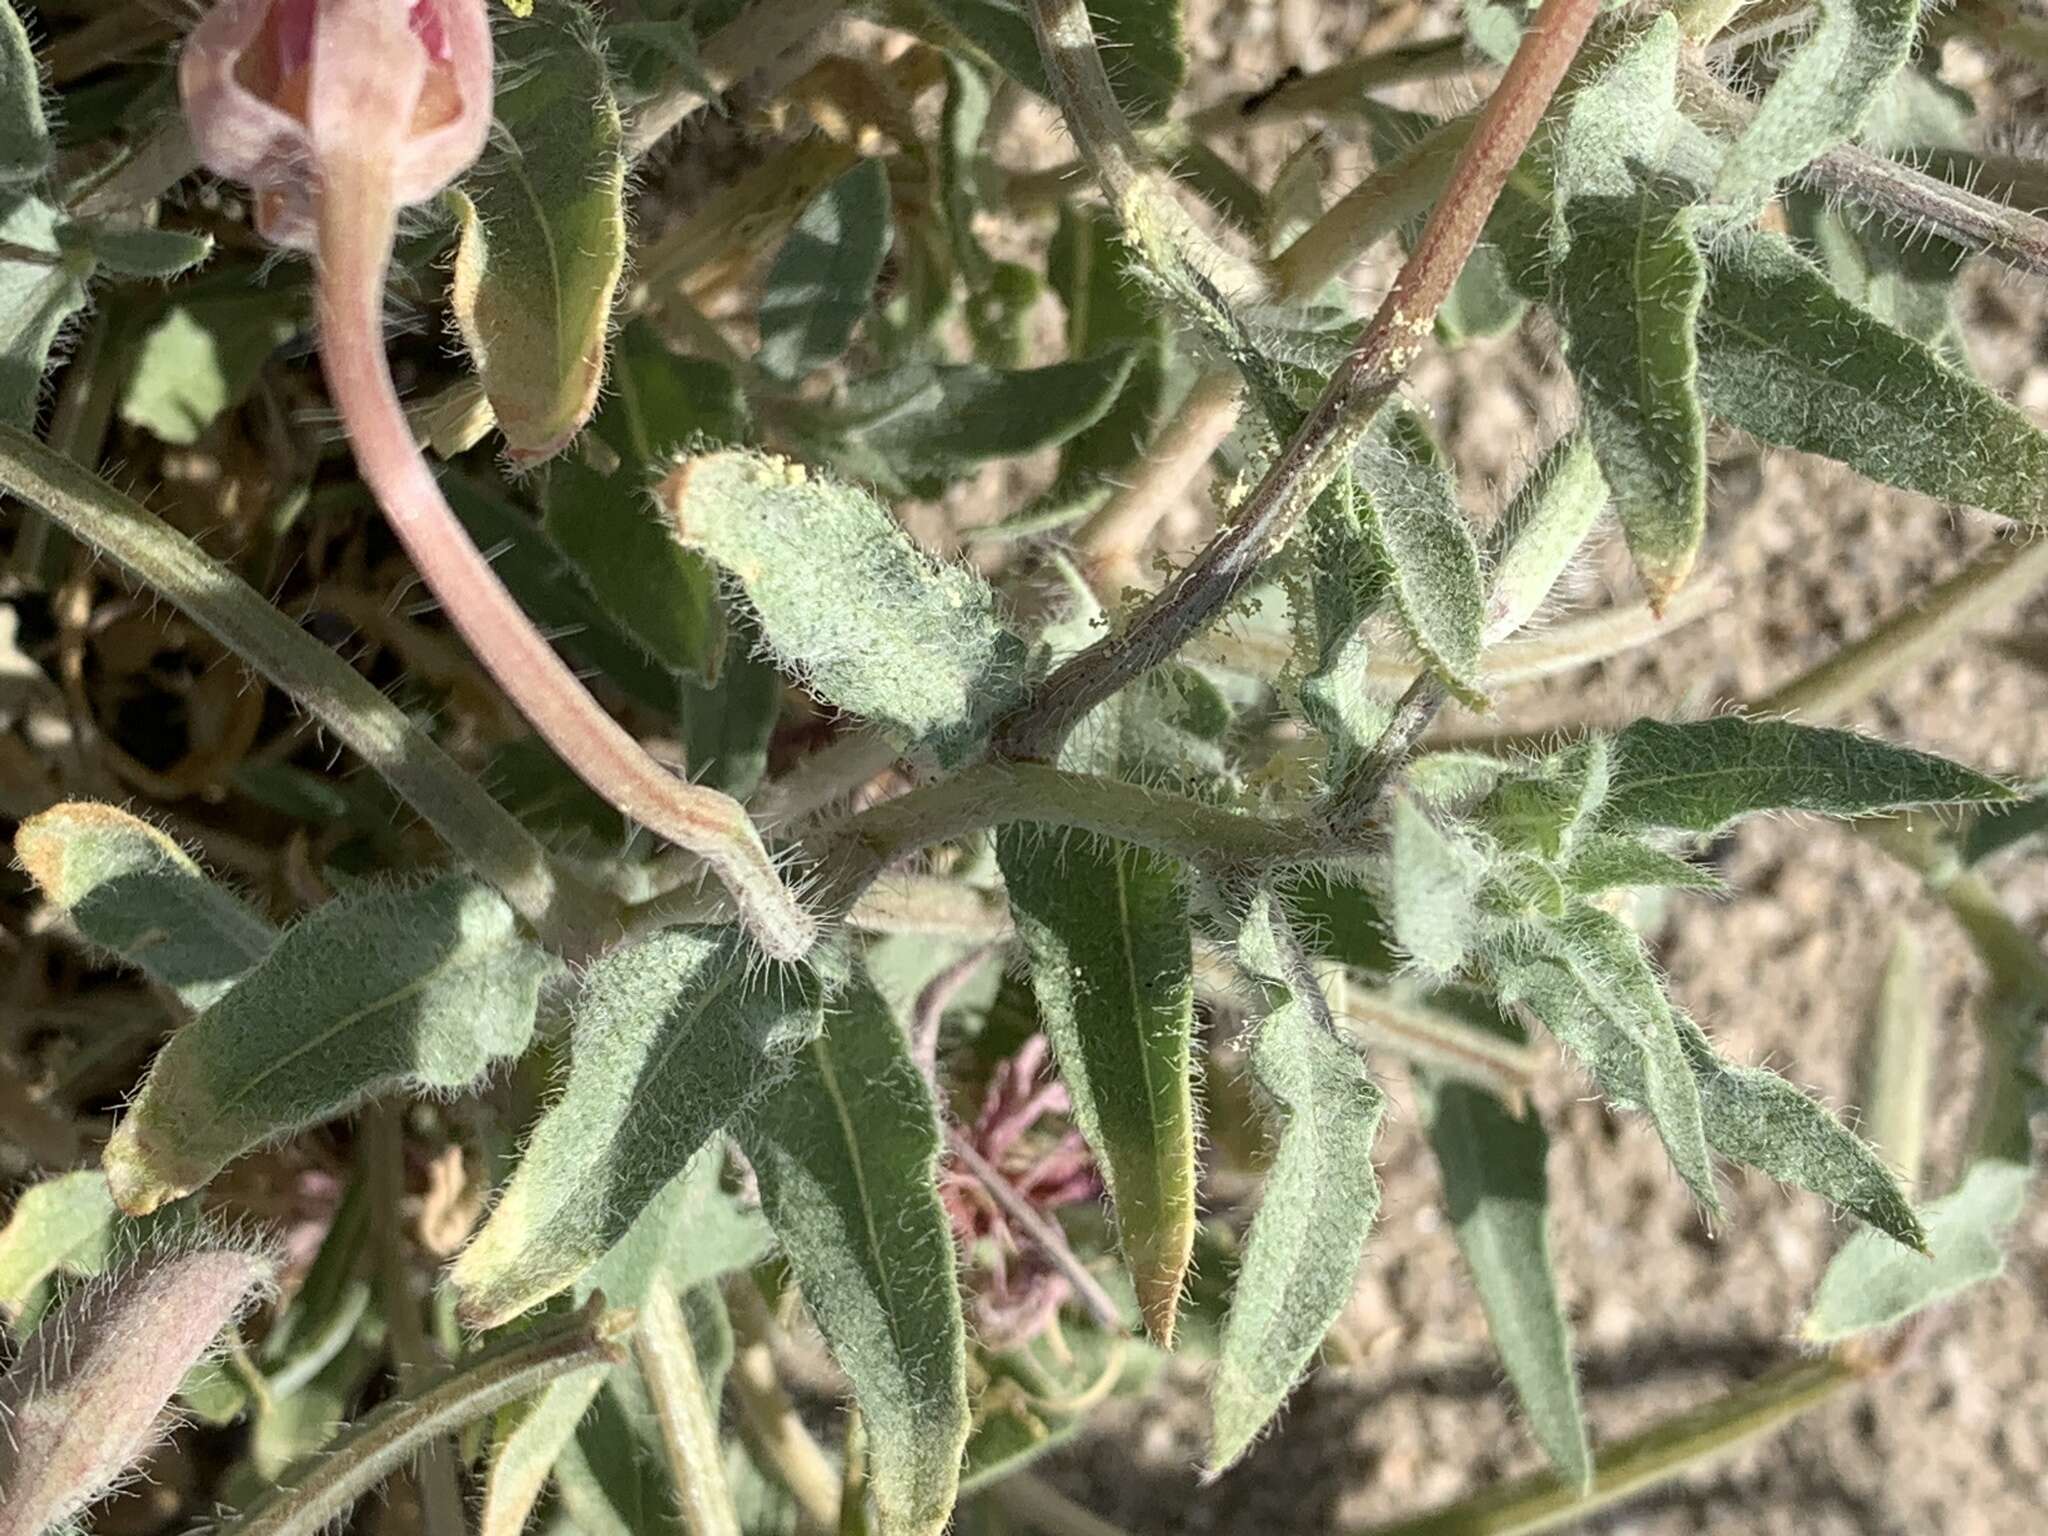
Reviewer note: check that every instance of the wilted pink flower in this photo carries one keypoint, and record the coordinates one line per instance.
(277, 89)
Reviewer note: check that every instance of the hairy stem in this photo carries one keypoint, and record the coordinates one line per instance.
(357, 221)
(1361, 385)
(476, 828)
(1350, 807)
(853, 851)
(689, 1424)
(316, 1493)
(1544, 1502)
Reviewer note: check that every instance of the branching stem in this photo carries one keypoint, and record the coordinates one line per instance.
(1361, 385)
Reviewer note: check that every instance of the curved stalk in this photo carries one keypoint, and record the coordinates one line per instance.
(357, 220)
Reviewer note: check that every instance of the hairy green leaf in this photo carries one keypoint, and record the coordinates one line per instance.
(727, 728)
(823, 278)
(862, 616)
(1106, 927)
(1141, 39)
(1699, 776)
(422, 989)
(1588, 980)
(131, 889)
(1629, 294)
(1550, 807)
(1499, 1200)
(543, 232)
(1789, 360)
(1411, 513)
(1873, 1282)
(661, 402)
(25, 149)
(142, 253)
(1539, 532)
(1754, 1116)
(657, 592)
(1606, 862)
(1302, 1254)
(1819, 98)
(1433, 885)
(673, 1038)
(846, 1149)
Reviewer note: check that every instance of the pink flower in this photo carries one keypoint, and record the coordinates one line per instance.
(275, 90)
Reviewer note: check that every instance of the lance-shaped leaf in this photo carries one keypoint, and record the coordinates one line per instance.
(1106, 927)
(822, 280)
(1789, 360)
(1411, 513)
(1629, 294)
(42, 285)
(851, 606)
(1756, 1117)
(1141, 39)
(693, 1232)
(1606, 862)
(422, 989)
(1302, 1254)
(1873, 1283)
(1589, 981)
(1499, 1199)
(1433, 882)
(672, 1038)
(543, 232)
(846, 1150)
(129, 888)
(1539, 532)
(25, 148)
(1629, 278)
(916, 428)
(1819, 98)
(1699, 776)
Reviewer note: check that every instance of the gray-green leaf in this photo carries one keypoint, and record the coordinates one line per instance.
(1699, 776)
(1873, 1283)
(543, 232)
(1302, 1254)
(1499, 1199)
(1789, 360)
(866, 619)
(25, 149)
(823, 278)
(1106, 927)
(846, 1149)
(1819, 98)
(131, 889)
(1433, 886)
(423, 989)
(673, 1038)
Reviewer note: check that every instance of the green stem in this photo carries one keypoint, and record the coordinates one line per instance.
(2000, 576)
(689, 1429)
(1542, 1502)
(1361, 385)
(1038, 1505)
(318, 1492)
(853, 851)
(476, 828)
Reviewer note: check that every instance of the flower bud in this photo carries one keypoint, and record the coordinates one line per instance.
(273, 89)
(86, 1400)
